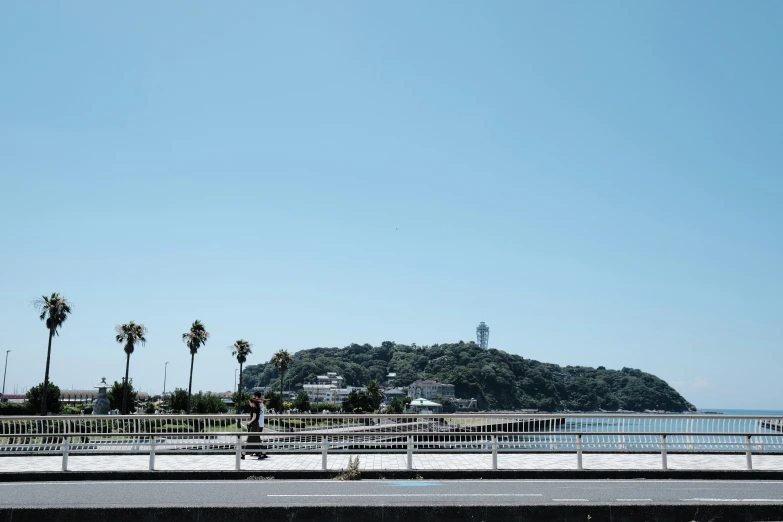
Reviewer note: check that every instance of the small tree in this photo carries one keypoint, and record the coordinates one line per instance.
(395, 406)
(178, 400)
(375, 394)
(35, 394)
(237, 399)
(302, 401)
(202, 404)
(273, 401)
(116, 395)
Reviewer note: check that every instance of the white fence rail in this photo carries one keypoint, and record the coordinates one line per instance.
(406, 433)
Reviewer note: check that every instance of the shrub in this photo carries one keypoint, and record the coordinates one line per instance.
(16, 408)
(352, 472)
(52, 398)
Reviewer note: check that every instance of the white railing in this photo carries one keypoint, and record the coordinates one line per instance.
(407, 433)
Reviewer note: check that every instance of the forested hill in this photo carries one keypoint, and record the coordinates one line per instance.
(498, 380)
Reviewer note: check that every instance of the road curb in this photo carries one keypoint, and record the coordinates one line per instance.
(59, 476)
(331, 513)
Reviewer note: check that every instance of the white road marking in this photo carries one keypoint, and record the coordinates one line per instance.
(570, 500)
(732, 499)
(634, 500)
(419, 495)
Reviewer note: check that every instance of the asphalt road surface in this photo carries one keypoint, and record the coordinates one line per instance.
(387, 493)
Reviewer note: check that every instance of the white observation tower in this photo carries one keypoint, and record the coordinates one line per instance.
(482, 335)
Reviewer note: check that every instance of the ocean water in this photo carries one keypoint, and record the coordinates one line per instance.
(720, 430)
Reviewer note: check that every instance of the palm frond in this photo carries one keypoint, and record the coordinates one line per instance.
(241, 349)
(196, 337)
(54, 310)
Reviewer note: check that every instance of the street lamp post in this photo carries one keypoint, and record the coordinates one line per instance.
(165, 367)
(239, 395)
(4, 371)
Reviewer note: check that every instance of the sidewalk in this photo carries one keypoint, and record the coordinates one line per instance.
(390, 462)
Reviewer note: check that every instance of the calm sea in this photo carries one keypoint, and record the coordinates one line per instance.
(695, 431)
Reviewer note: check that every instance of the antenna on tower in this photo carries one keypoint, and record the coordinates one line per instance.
(482, 335)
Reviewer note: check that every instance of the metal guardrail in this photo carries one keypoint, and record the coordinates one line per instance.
(406, 433)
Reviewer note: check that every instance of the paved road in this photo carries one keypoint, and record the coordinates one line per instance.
(388, 493)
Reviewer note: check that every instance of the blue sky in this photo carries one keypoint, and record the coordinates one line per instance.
(599, 182)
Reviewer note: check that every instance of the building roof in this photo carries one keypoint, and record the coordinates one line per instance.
(423, 403)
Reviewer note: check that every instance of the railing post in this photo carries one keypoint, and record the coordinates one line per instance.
(748, 455)
(663, 453)
(579, 451)
(324, 451)
(410, 452)
(152, 453)
(238, 457)
(494, 452)
(66, 447)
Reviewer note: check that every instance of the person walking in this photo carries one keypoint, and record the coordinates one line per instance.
(256, 425)
(261, 402)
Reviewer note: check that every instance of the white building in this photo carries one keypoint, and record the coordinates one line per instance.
(429, 389)
(329, 388)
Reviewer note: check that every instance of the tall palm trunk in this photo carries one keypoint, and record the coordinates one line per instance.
(125, 387)
(190, 382)
(46, 375)
(240, 402)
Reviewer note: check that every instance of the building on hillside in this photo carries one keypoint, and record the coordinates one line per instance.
(319, 392)
(329, 388)
(393, 393)
(429, 389)
(390, 378)
(465, 404)
(422, 405)
(330, 378)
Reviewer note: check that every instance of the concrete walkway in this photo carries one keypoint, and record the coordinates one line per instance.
(383, 462)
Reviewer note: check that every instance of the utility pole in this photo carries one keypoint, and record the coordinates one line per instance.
(4, 371)
(165, 367)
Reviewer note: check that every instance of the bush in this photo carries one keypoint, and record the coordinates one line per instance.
(52, 398)
(318, 407)
(16, 408)
(201, 404)
(352, 472)
(302, 401)
(273, 401)
(149, 408)
(115, 394)
(70, 410)
(178, 400)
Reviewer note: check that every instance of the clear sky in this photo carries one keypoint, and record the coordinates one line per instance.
(601, 182)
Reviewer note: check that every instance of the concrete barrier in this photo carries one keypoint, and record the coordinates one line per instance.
(543, 513)
(37, 476)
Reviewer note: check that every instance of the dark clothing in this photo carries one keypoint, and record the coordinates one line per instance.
(254, 441)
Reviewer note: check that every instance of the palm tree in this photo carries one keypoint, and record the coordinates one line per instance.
(241, 350)
(54, 310)
(130, 335)
(281, 359)
(194, 339)
(375, 393)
